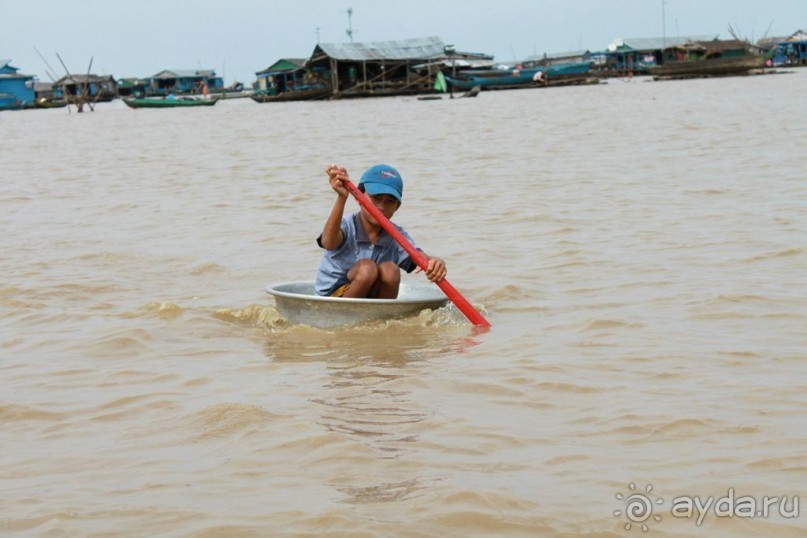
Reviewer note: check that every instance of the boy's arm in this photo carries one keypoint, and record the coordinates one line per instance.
(332, 235)
(436, 268)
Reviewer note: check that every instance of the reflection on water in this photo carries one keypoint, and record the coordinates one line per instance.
(363, 403)
(383, 493)
(370, 367)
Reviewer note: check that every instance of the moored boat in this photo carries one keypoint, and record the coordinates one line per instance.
(708, 68)
(299, 303)
(303, 93)
(166, 102)
(43, 102)
(515, 77)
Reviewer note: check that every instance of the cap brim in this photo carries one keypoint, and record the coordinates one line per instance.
(375, 189)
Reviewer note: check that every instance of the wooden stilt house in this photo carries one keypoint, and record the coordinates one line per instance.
(288, 79)
(90, 88)
(377, 68)
(635, 56)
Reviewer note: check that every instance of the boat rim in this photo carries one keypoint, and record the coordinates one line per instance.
(272, 289)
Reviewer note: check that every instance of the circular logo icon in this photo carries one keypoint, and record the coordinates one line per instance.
(638, 507)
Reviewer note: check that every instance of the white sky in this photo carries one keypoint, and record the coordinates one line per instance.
(138, 38)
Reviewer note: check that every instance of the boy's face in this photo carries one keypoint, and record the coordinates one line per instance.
(385, 203)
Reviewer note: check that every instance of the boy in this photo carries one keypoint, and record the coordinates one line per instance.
(361, 259)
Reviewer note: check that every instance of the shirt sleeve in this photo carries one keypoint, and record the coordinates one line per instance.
(405, 262)
(408, 264)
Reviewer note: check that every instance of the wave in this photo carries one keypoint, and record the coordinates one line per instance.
(226, 419)
(10, 412)
(598, 324)
(253, 315)
(786, 253)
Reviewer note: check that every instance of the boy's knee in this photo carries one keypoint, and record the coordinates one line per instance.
(365, 270)
(389, 272)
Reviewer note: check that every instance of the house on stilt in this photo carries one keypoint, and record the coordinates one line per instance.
(376, 68)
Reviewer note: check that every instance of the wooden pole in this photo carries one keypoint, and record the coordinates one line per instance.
(334, 78)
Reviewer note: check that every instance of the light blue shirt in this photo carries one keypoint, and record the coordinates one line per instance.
(357, 246)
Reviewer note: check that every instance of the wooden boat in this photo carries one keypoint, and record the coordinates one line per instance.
(708, 68)
(162, 102)
(515, 78)
(304, 93)
(298, 303)
(473, 92)
(43, 102)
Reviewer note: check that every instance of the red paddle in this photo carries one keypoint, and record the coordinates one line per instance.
(417, 256)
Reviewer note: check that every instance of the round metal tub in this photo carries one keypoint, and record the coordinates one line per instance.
(298, 303)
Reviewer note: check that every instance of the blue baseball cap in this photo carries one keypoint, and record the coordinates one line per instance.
(382, 179)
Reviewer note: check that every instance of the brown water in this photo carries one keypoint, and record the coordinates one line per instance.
(639, 247)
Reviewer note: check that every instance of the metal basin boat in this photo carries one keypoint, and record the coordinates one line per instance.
(298, 303)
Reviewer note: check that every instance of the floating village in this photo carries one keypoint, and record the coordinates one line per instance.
(425, 67)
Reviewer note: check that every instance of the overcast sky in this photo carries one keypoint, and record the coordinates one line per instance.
(138, 38)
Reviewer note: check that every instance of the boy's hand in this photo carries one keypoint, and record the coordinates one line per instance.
(436, 271)
(336, 174)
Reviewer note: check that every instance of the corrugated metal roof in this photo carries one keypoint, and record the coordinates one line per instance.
(656, 43)
(796, 37)
(284, 65)
(184, 73)
(297, 61)
(799, 35)
(726, 44)
(558, 55)
(82, 79)
(767, 42)
(10, 69)
(14, 76)
(404, 49)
